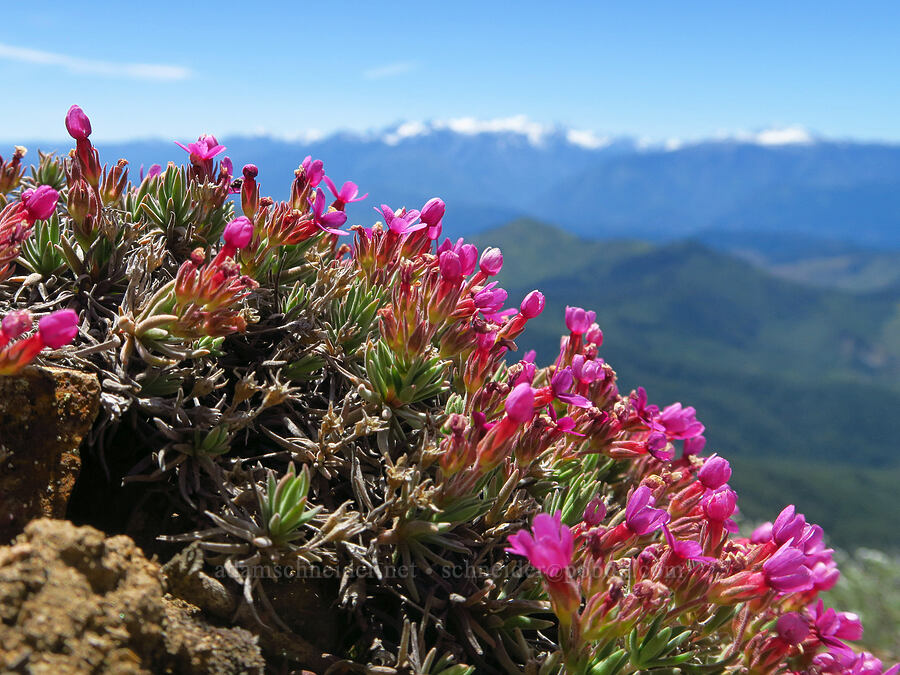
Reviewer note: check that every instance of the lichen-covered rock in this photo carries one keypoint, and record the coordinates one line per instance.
(44, 414)
(73, 601)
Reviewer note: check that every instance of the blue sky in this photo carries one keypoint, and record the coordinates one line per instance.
(652, 69)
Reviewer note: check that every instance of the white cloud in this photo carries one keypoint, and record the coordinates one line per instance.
(587, 139)
(795, 135)
(73, 64)
(389, 70)
(406, 130)
(517, 124)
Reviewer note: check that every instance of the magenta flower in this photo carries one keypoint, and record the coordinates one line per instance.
(659, 447)
(594, 335)
(405, 222)
(825, 575)
(468, 253)
(586, 370)
(152, 172)
(14, 324)
(204, 148)
(832, 627)
(680, 423)
(491, 261)
(238, 232)
(594, 512)
(39, 203)
(578, 321)
(685, 549)
(788, 526)
(327, 221)
(489, 299)
(58, 329)
(532, 305)
(346, 195)
(433, 212)
(762, 534)
(640, 516)
(549, 548)
(314, 170)
(694, 446)
(77, 123)
(450, 267)
(785, 571)
(792, 628)
(519, 403)
(561, 383)
(714, 473)
(719, 504)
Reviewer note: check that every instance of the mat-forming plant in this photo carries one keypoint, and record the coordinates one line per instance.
(344, 410)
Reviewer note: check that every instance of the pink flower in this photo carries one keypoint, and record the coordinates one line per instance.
(694, 446)
(785, 571)
(346, 195)
(519, 403)
(594, 512)
(14, 324)
(832, 626)
(491, 261)
(490, 299)
(327, 221)
(403, 223)
(586, 370)
(792, 628)
(594, 335)
(58, 329)
(578, 321)
(468, 254)
(762, 534)
(532, 305)
(238, 232)
(561, 383)
(788, 526)
(685, 549)
(433, 212)
(450, 267)
(39, 203)
(549, 548)
(714, 473)
(77, 123)
(680, 423)
(314, 170)
(204, 148)
(719, 504)
(640, 517)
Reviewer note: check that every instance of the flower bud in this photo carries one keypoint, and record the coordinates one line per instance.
(40, 203)
(77, 123)
(433, 212)
(578, 321)
(519, 404)
(594, 512)
(491, 261)
(594, 335)
(714, 473)
(792, 628)
(720, 504)
(450, 267)
(238, 232)
(532, 305)
(58, 329)
(15, 324)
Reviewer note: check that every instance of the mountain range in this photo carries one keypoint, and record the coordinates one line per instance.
(744, 188)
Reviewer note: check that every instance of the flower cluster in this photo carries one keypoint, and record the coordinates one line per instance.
(310, 393)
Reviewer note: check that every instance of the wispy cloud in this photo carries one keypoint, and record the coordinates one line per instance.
(389, 70)
(73, 64)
